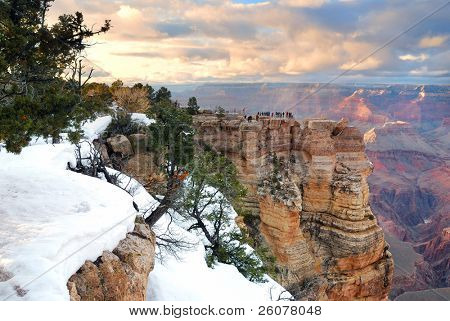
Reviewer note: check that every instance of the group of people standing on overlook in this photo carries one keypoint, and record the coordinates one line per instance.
(277, 114)
(284, 114)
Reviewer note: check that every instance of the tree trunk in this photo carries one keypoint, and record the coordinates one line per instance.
(56, 139)
(164, 205)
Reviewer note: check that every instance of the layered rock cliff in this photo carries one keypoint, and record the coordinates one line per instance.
(120, 275)
(309, 200)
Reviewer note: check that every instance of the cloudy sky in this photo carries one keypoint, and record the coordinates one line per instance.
(197, 41)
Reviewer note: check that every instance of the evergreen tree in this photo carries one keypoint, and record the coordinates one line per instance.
(35, 99)
(162, 94)
(205, 204)
(150, 94)
(122, 124)
(171, 137)
(98, 90)
(116, 85)
(193, 107)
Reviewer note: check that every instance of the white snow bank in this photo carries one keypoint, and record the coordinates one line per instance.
(142, 118)
(49, 214)
(190, 279)
(92, 129)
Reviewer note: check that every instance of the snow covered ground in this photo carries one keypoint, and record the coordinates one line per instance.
(192, 280)
(52, 220)
(48, 214)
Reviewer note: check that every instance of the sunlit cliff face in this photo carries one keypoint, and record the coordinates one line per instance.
(179, 41)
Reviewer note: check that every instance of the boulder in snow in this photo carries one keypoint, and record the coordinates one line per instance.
(120, 144)
(120, 275)
(101, 147)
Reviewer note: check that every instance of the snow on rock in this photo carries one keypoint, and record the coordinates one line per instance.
(93, 129)
(51, 215)
(142, 118)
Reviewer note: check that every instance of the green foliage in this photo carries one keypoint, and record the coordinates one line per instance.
(122, 124)
(116, 84)
(211, 169)
(150, 94)
(193, 107)
(235, 253)
(275, 184)
(45, 115)
(220, 111)
(252, 223)
(206, 205)
(98, 91)
(163, 94)
(34, 99)
(268, 260)
(171, 136)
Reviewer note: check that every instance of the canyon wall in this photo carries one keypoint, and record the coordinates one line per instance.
(309, 201)
(409, 192)
(120, 275)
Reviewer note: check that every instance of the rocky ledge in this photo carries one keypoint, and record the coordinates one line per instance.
(120, 275)
(309, 202)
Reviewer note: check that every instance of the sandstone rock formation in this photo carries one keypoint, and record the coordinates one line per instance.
(121, 145)
(410, 183)
(103, 149)
(312, 207)
(131, 156)
(120, 275)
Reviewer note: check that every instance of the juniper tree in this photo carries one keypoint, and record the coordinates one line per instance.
(206, 205)
(115, 85)
(193, 106)
(122, 124)
(162, 94)
(171, 138)
(99, 90)
(35, 99)
(150, 94)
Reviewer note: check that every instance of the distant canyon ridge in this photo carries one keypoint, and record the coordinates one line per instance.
(407, 138)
